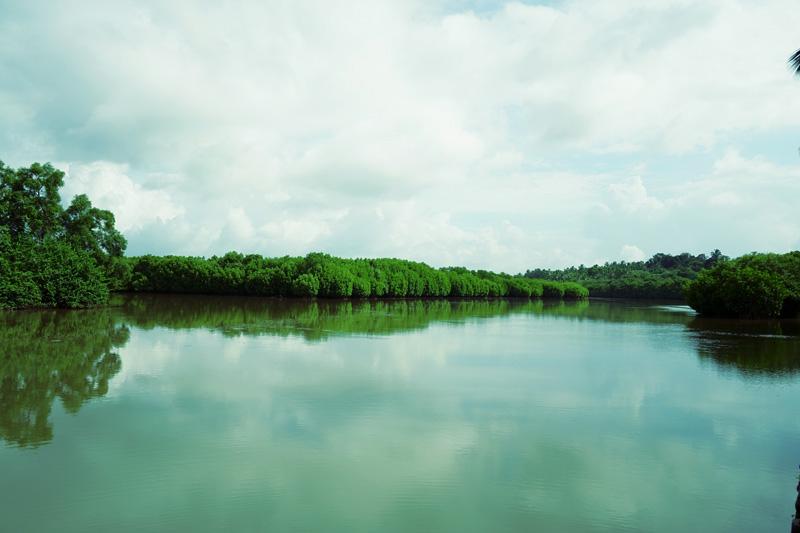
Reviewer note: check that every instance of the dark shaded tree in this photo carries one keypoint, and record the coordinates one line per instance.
(752, 286)
(794, 62)
(661, 276)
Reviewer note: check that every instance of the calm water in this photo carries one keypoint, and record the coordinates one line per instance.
(201, 414)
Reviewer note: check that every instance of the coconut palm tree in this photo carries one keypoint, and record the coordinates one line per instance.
(794, 62)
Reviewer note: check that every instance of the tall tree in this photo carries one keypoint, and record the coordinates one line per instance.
(92, 230)
(29, 201)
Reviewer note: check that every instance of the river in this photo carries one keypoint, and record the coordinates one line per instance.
(193, 413)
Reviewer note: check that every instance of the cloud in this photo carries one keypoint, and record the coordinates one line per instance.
(631, 253)
(740, 205)
(502, 136)
(109, 186)
(633, 197)
(238, 228)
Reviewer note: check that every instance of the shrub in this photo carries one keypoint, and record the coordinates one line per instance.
(552, 289)
(305, 285)
(574, 291)
(17, 287)
(67, 277)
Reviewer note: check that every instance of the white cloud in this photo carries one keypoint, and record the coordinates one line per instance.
(238, 228)
(725, 198)
(298, 233)
(499, 139)
(633, 197)
(630, 252)
(109, 186)
(741, 205)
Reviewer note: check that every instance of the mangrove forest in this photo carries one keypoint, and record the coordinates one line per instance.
(56, 257)
(663, 276)
(73, 256)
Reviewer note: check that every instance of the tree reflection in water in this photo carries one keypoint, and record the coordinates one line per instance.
(52, 354)
(756, 348)
(70, 355)
(314, 320)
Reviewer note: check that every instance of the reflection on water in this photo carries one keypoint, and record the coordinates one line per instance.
(319, 319)
(70, 355)
(752, 348)
(48, 355)
(252, 414)
(312, 319)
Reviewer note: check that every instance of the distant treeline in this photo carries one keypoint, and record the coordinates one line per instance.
(661, 276)
(51, 256)
(752, 286)
(324, 276)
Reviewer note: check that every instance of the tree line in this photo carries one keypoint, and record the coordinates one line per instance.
(52, 256)
(661, 276)
(73, 256)
(324, 276)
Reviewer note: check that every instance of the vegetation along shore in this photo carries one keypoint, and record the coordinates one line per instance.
(56, 257)
(51, 256)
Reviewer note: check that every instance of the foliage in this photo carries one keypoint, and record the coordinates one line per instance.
(661, 276)
(65, 276)
(29, 201)
(794, 62)
(51, 256)
(574, 291)
(56, 257)
(325, 276)
(92, 230)
(752, 286)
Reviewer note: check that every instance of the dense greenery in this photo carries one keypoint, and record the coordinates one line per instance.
(661, 276)
(755, 285)
(51, 256)
(320, 275)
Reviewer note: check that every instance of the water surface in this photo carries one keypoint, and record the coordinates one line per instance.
(191, 413)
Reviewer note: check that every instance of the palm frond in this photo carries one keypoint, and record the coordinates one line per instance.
(794, 62)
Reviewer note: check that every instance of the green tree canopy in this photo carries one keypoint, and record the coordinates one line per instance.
(92, 230)
(30, 205)
(51, 256)
(752, 286)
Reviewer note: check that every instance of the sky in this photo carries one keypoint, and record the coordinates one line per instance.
(500, 135)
